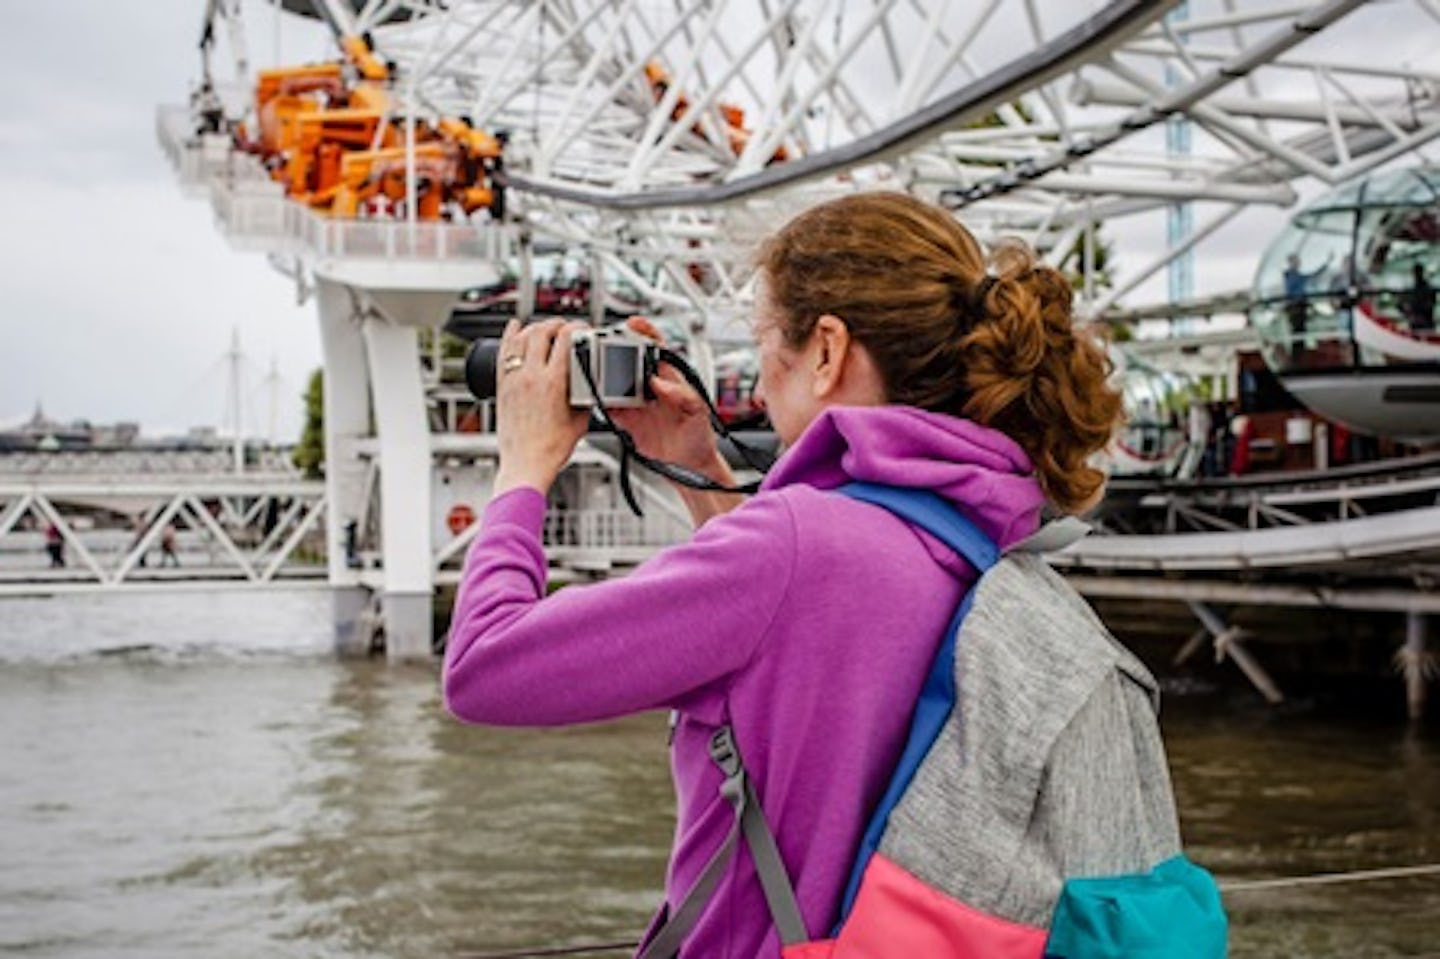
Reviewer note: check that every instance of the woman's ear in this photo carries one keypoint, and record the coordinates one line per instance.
(829, 353)
(841, 369)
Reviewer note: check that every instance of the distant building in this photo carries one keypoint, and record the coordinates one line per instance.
(40, 432)
(116, 434)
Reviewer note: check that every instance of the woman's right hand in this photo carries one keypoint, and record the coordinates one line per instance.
(675, 426)
(536, 427)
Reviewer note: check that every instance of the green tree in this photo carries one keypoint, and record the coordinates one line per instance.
(309, 453)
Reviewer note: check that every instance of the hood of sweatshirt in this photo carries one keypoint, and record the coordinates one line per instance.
(981, 470)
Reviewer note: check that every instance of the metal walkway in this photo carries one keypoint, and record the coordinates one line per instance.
(265, 529)
(1361, 537)
(88, 520)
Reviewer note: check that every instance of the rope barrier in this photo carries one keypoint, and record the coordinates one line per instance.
(628, 946)
(1332, 878)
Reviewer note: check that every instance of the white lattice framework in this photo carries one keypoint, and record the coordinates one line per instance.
(229, 532)
(1036, 117)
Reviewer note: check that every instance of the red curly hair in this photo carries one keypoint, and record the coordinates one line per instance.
(952, 331)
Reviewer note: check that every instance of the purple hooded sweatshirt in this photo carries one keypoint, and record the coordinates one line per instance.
(805, 619)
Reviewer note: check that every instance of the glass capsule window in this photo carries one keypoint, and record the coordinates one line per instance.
(1157, 404)
(1367, 252)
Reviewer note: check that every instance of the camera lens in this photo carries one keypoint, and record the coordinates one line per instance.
(480, 363)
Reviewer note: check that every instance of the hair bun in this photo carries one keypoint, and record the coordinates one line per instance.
(1034, 376)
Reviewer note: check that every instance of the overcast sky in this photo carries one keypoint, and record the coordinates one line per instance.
(120, 296)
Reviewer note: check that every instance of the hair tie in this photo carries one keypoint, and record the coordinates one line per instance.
(975, 304)
(969, 305)
(983, 290)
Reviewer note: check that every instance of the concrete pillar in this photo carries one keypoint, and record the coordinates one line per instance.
(392, 352)
(348, 606)
(597, 289)
(347, 422)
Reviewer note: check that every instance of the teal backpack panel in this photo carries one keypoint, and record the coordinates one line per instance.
(1171, 912)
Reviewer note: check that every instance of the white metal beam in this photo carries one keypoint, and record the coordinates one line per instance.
(1224, 216)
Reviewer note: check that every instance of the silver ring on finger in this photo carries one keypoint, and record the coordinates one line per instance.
(512, 363)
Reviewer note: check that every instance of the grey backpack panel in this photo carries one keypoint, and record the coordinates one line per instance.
(1051, 765)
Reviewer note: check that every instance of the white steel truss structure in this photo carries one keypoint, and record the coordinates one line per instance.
(659, 139)
(1036, 117)
(112, 534)
(262, 530)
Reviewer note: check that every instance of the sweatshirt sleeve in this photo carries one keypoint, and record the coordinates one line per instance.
(680, 624)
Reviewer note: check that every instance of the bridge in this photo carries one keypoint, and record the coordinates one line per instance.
(107, 515)
(263, 528)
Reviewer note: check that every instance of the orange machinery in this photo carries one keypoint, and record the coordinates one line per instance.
(734, 117)
(324, 130)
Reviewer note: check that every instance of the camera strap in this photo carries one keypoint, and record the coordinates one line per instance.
(756, 459)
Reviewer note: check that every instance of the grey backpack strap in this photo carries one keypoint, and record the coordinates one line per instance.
(1053, 536)
(665, 944)
(750, 823)
(779, 894)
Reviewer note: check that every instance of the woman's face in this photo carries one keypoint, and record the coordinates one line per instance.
(784, 389)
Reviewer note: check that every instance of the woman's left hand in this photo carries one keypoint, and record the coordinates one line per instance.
(537, 427)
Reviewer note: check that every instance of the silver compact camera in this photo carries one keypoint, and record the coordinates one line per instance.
(620, 363)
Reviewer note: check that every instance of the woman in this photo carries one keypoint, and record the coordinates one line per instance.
(890, 352)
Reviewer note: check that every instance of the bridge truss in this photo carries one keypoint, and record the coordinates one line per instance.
(111, 512)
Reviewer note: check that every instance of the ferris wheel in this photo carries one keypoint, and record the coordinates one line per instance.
(438, 141)
(679, 132)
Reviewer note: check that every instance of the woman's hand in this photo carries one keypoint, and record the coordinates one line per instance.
(675, 426)
(537, 427)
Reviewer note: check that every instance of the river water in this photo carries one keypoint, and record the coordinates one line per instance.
(196, 775)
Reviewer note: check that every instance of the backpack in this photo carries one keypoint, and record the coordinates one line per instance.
(1030, 814)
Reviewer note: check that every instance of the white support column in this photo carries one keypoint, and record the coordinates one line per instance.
(399, 397)
(347, 421)
(237, 401)
(597, 289)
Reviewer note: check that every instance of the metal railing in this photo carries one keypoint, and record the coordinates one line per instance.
(200, 158)
(588, 540)
(597, 530)
(257, 212)
(131, 462)
(253, 210)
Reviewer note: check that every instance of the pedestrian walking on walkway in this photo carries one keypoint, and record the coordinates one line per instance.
(167, 547)
(55, 546)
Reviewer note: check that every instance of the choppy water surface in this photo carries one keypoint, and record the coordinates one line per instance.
(196, 775)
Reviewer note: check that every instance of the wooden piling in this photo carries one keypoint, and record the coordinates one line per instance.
(1413, 662)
